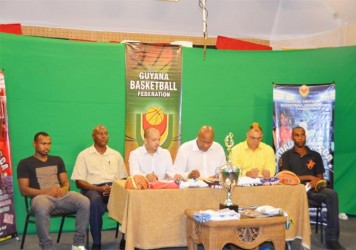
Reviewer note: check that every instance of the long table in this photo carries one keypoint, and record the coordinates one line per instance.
(155, 218)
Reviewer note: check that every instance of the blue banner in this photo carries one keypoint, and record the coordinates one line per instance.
(311, 107)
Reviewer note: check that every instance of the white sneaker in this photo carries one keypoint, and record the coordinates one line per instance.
(78, 247)
(343, 216)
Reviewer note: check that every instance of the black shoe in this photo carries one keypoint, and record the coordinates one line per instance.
(96, 247)
(122, 242)
(334, 245)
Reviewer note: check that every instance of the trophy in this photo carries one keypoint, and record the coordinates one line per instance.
(229, 175)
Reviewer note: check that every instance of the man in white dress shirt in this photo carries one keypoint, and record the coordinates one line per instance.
(200, 157)
(150, 159)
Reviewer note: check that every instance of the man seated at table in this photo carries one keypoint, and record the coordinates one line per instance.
(253, 157)
(199, 158)
(150, 159)
(308, 166)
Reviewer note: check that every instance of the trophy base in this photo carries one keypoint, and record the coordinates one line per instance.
(232, 207)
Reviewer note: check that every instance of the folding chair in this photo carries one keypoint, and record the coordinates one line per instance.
(30, 218)
(318, 206)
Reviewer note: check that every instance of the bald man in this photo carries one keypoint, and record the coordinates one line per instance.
(94, 171)
(150, 159)
(199, 158)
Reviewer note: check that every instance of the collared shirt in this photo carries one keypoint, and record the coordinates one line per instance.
(190, 157)
(160, 163)
(96, 168)
(309, 164)
(246, 159)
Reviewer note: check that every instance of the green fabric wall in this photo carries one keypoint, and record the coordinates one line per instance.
(67, 87)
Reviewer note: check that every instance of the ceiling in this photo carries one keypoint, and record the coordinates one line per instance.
(262, 19)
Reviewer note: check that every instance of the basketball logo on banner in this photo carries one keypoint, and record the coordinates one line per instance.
(156, 118)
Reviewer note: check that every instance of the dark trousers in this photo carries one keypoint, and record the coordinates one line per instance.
(98, 206)
(330, 198)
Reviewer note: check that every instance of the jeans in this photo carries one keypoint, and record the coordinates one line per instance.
(42, 205)
(98, 206)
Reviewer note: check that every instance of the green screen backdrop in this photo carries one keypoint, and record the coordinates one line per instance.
(67, 87)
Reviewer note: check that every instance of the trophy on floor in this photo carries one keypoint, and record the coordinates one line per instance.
(229, 175)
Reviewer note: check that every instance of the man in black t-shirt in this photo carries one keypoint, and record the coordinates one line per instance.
(308, 166)
(44, 178)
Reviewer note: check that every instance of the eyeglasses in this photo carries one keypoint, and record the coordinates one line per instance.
(256, 138)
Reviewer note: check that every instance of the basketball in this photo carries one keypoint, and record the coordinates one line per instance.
(138, 182)
(288, 178)
(154, 115)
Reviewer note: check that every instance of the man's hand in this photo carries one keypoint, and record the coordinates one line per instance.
(314, 181)
(253, 173)
(57, 192)
(152, 177)
(266, 174)
(105, 190)
(194, 174)
(178, 177)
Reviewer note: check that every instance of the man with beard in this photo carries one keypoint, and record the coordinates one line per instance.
(44, 178)
(94, 171)
(308, 166)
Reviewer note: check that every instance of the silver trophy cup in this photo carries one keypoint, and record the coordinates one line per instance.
(229, 175)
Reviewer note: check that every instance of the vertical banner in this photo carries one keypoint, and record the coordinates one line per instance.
(310, 107)
(153, 94)
(7, 210)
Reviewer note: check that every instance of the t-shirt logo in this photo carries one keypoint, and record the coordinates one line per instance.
(310, 163)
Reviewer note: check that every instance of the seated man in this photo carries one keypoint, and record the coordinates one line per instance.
(94, 171)
(44, 178)
(200, 157)
(150, 159)
(253, 157)
(308, 166)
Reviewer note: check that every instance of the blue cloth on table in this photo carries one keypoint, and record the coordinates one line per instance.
(216, 215)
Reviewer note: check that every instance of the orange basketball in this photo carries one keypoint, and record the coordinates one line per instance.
(137, 182)
(288, 178)
(154, 115)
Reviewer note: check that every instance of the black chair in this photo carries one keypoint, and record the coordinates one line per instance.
(30, 218)
(318, 207)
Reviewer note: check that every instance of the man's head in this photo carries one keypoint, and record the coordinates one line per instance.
(299, 137)
(100, 136)
(42, 143)
(254, 136)
(205, 138)
(152, 139)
